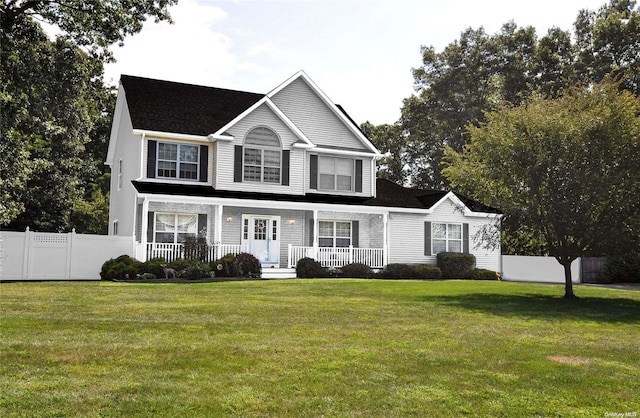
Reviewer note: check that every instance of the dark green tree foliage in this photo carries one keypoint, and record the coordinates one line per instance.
(608, 43)
(56, 111)
(565, 169)
(391, 142)
(479, 72)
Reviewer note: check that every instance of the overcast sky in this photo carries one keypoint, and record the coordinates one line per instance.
(359, 52)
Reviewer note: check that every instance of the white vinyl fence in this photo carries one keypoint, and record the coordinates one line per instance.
(523, 268)
(49, 256)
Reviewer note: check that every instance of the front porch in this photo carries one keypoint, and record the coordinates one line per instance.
(330, 257)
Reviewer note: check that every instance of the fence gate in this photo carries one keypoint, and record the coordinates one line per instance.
(591, 268)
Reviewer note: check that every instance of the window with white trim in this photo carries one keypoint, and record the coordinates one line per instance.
(262, 156)
(446, 237)
(177, 161)
(335, 173)
(334, 233)
(174, 227)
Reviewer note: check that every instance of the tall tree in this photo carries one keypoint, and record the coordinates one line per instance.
(479, 71)
(54, 104)
(565, 168)
(389, 139)
(608, 43)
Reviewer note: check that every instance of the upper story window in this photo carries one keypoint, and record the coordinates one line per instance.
(178, 161)
(335, 173)
(446, 237)
(262, 156)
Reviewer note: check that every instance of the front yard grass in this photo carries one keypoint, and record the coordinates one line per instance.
(317, 348)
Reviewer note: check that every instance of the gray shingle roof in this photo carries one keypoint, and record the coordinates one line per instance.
(167, 106)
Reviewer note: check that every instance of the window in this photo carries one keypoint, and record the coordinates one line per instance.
(335, 174)
(262, 156)
(178, 161)
(120, 174)
(446, 238)
(334, 233)
(115, 227)
(175, 227)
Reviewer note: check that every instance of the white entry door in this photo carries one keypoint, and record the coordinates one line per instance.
(261, 235)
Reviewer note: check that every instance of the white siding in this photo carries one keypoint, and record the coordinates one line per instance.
(122, 202)
(406, 236)
(318, 122)
(262, 116)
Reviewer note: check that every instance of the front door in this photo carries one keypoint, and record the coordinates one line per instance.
(261, 236)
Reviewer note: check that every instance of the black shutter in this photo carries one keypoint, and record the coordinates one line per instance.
(151, 159)
(358, 176)
(465, 238)
(202, 222)
(285, 167)
(427, 238)
(355, 234)
(313, 172)
(204, 163)
(237, 164)
(311, 224)
(150, 226)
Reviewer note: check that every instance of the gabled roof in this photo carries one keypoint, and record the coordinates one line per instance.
(391, 194)
(167, 106)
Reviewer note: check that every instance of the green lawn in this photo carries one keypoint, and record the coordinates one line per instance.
(317, 348)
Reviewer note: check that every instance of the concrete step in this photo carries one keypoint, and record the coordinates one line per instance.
(278, 273)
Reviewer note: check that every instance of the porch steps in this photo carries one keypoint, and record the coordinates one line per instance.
(278, 273)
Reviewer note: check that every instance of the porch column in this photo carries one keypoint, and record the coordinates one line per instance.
(385, 238)
(144, 229)
(315, 234)
(217, 239)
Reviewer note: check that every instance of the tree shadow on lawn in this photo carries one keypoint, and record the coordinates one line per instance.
(535, 306)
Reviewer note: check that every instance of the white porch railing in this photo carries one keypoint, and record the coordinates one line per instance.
(171, 252)
(337, 257)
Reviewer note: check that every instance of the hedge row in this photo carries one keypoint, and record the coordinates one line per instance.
(125, 267)
(452, 267)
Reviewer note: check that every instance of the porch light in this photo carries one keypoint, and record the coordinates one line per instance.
(229, 218)
(292, 221)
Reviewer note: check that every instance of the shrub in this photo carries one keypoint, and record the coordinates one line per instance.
(424, 271)
(484, 274)
(622, 269)
(178, 265)
(356, 270)
(247, 265)
(195, 270)
(123, 267)
(455, 265)
(225, 266)
(196, 248)
(398, 271)
(308, 267)
(154, 266)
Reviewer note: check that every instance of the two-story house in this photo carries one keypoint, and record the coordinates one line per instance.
(282, 176)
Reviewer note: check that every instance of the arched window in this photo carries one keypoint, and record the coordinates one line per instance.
(262, 156)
